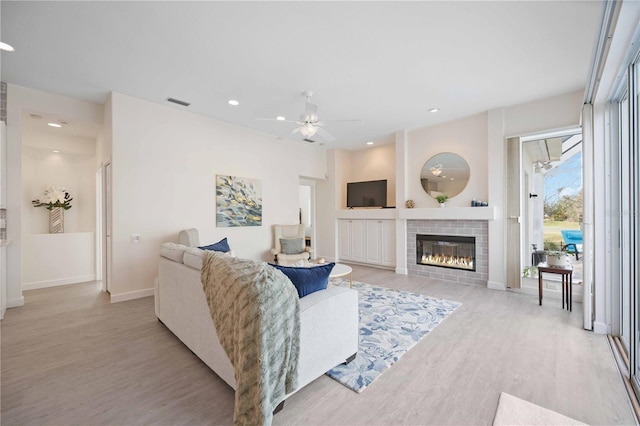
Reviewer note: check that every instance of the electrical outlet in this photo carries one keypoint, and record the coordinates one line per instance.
(135, 238)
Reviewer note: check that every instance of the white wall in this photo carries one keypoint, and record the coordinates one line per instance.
(466, 137)
(330, 195)
(58, 259)
(164, 165)
(73, 168)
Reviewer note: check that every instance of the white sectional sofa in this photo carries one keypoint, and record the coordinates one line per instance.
(328, 318)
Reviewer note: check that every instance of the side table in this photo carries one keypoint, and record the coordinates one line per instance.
(342, 270)
(567, 275)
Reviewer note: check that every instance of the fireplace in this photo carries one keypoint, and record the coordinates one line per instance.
(446, 251)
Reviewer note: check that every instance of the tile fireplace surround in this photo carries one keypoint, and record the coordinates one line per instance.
(470, 228)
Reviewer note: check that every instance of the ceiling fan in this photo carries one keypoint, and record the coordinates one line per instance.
(308, 124)
(436, 170)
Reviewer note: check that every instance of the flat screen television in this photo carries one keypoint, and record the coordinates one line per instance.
(367, 194)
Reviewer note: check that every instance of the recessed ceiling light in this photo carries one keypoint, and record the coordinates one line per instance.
(280, 118)
(5, 46)
(452, 179)
(54, 125)
(233, 102)
(434, 110)
(55, 151)
(369, 143)
(443, 176)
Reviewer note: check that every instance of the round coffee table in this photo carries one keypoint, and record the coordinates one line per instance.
(341, 270)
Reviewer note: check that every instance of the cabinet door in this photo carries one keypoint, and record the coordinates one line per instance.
(358, 240)
(388, 242)
(374, 229)
(344, 237)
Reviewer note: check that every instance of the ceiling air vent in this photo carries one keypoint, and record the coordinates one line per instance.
(178, 101)
(308, 140)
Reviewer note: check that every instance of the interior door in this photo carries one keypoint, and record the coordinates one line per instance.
(514, 201)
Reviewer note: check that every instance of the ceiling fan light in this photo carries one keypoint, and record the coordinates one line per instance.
(308, 130)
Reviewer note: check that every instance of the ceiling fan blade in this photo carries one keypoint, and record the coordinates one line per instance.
(325, 135)
(352, 119)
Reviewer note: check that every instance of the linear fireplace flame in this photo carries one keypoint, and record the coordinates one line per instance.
(442, 260)
(446, 251)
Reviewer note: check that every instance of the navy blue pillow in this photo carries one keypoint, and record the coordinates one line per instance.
(221, 245)
(307, 280)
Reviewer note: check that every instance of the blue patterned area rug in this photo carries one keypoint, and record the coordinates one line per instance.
(391, 323)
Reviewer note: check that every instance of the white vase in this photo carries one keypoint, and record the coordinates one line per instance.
(56, 220)
(559, 260)
(443, 205)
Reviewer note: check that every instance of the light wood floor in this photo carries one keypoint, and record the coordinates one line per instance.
(70, 357)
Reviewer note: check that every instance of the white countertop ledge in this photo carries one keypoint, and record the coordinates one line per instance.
(449, 213)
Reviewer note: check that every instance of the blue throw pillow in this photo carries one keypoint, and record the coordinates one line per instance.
(221, 245)
(307, 280)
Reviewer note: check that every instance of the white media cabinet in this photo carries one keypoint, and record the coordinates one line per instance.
(367, 236)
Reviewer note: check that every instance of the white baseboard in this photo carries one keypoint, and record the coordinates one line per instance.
(62, 281)
(14, 303)
(495, 285)
(601, 328)
(371, 265)
(130, 295)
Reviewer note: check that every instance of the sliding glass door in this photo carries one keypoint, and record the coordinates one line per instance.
(624, 164)
(625, 135)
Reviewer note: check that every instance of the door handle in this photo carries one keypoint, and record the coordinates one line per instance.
(515, 217)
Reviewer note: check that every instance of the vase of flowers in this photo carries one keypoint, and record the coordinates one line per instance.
(56, 200)
(558, 258)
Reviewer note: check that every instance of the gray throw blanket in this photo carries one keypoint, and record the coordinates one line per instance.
(256, 312)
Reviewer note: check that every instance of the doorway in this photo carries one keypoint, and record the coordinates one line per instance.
(552, 207)
(306, 211)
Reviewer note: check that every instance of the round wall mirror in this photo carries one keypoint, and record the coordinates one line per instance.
(445, 173)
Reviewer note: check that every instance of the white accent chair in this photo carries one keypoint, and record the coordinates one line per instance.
(290, 232)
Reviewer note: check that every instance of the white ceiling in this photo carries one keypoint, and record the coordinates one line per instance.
(386, 63)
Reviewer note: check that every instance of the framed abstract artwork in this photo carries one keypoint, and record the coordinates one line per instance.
(238, 201)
